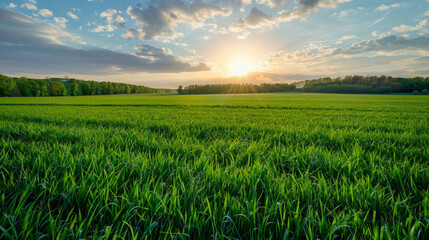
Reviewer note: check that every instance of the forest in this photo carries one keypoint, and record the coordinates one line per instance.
(369, 84)
(27, 87)
(236, 88)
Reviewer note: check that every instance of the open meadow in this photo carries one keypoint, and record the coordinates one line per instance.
(250, 166)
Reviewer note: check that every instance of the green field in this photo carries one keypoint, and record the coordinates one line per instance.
(254, 166)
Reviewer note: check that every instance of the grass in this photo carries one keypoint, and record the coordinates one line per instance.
(256, 166)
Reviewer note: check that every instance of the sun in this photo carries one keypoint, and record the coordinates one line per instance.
(240, 67)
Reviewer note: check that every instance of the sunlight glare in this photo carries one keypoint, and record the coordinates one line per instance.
(240, 67)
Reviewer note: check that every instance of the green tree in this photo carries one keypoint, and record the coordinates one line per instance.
(57, 88)
(73, 88)
(95, 88)
(24, 86)
(6, 85)
(86, 88)
(43, 86)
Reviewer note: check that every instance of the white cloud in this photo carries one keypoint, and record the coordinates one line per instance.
(405, 28)
(120, 20)
(427, 12)
(61, 21)
(101, 28)
(348, 12)
(272, 3)
(108, 14)
(45, 13)
(32, 1)
(11, 5)
(347, 37)
(72, 15)
(374, 34)
(113, 20)
(29, 6)
(384, 7)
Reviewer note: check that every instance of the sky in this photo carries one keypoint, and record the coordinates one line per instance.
(166, 43)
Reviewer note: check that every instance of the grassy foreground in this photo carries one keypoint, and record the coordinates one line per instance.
(257, 166)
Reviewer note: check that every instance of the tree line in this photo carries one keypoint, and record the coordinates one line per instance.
(27, 87)
(235, 88)
(370, 84)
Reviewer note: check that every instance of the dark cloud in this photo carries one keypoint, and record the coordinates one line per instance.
(33, 46)
(273, 3)
(160, 17)
(256, 18)
(307, 6)
(386, 44)
(16, 28)
(234, 3)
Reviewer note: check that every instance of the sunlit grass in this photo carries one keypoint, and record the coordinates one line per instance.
(257, 166)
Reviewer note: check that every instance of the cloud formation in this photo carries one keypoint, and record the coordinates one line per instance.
(386, 44)
(113, 20)
(255, 19)
(384, 55)
(45, 13)
(347, 37)
(29, 6)
(405, 28)
(384, 7)
(234, 3)
(35, 46)
(61, 21)
(72, 15)
(160, 17)
(305, 7)
(273, 3)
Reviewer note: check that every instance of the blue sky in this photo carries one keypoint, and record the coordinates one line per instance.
(164, 43)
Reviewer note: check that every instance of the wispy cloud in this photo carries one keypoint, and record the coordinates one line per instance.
(347, 37)
(384, 7)
(72, 15)
(29, 6)
(377, 21)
